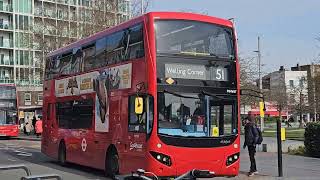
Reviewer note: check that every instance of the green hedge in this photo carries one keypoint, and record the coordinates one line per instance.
(270, 119)
(312, 139)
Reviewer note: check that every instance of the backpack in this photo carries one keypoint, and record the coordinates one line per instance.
(258, 138)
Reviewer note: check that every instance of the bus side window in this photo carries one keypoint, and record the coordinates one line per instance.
(65, 65)
(100, 55)
(136, 123)
(75, 114)
(115, 47)
(89, 56)
(49, 109)
(136, 46)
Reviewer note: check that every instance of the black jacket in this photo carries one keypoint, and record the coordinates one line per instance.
(250, 134)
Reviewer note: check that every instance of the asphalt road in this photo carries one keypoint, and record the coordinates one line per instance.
(28, 153)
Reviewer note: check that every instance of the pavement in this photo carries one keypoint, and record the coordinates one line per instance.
(30, 137)
(294, 167)
(272, 146)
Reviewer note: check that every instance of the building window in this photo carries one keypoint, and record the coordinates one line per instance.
(291, 83)
(40, 96)
(292, 98)
(27, 99)
(301, 82)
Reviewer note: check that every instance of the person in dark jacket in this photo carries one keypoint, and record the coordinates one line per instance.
(251, 137)
(34, 120)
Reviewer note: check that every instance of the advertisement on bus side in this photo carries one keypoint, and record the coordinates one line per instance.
(101, 82)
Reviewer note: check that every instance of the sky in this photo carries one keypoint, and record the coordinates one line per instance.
(287, 28)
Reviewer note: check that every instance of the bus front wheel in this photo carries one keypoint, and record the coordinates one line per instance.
(62, 154)
(112, 163)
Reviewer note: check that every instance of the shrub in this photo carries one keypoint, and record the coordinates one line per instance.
(298, 151)
(312, 139)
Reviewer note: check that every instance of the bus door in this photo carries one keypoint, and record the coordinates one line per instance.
(139, 126)
(84, 110)
(223, 117)
(50, 142)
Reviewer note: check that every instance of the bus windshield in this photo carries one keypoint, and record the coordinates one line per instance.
(193, 38)
(195, 115)
(7, 117)
(7, 105)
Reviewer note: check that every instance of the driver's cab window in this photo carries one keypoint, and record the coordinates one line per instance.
(140, 122)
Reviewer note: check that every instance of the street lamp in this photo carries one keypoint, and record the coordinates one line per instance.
(260, 78)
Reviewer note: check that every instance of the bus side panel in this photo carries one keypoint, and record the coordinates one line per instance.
(134, 142)
(49, 138)
(9, 130)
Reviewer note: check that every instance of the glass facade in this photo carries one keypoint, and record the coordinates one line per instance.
(23, 24)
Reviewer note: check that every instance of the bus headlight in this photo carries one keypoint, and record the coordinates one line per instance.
(232, 158)
(162, 158)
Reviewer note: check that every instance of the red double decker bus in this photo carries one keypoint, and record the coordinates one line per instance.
(8, 111)
(158, 92)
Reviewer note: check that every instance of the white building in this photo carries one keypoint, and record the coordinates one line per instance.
(296, 88)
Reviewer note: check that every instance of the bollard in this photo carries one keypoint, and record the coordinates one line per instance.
(264, 148)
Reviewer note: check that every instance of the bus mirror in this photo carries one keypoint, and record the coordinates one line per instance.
(138, 105)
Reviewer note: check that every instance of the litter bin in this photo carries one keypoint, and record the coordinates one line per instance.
(264, 147)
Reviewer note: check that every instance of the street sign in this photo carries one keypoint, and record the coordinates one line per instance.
(283, 134)
(261, 109)
(215, 132)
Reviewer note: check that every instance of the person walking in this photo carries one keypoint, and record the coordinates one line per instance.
(28, 126)
(34, 120)
(251, 138)
(38, 127)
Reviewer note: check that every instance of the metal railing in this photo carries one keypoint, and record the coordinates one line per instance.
(29, 176)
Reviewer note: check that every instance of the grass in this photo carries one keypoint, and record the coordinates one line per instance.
(291, 133)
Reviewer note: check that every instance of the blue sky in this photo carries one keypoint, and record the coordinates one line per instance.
(287, 28)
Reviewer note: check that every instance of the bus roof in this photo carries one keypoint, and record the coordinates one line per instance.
(151, 15)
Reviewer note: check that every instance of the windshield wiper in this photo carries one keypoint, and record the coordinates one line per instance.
(209, 55)
(216, 96)
(179, 95)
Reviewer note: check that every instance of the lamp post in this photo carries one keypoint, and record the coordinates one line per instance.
(260, 78)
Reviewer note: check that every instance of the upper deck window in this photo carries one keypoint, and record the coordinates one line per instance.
(193, 38)
(126, 44)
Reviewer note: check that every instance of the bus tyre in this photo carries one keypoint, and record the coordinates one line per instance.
(112, 164)
(62, 154)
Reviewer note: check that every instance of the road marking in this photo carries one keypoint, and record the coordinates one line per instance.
(11, 159)
(25, 154)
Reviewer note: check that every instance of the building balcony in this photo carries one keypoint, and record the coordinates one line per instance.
(6, 80)
(6, 61)
(6, 27)
(64, 2)
(6, 43)
(29, 82)
(6, 8)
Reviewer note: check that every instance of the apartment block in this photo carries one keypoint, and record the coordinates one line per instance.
(26, 24)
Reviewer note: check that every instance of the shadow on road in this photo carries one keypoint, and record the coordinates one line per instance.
(40, 159)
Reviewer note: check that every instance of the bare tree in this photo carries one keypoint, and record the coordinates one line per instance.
(139, 6)
(50, 34)
(278, 93)
(248, 74)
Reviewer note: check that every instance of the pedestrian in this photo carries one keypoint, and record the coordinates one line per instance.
(28, 126)
(251, 138)
(38, 127)
(34, 120)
